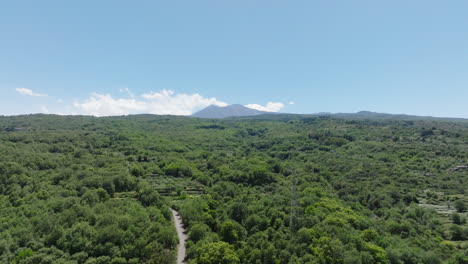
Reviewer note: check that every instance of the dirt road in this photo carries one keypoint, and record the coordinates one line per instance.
(182, 236)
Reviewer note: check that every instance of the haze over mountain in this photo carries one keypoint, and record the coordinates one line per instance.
(234, 110)
(237, 110)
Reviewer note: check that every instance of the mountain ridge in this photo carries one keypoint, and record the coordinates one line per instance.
(234, 110)
(361, 115)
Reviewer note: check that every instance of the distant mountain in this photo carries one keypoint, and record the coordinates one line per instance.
(362, 115)
(235, 110)
(239, 111)
(382, 116)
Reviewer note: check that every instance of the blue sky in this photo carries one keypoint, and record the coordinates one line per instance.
(125, 57)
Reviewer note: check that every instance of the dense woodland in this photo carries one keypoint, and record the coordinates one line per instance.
(267, 190)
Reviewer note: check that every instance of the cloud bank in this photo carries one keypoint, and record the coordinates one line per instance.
(25, 91)
(269, 107)
(165, 102)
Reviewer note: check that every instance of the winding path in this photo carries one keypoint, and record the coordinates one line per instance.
(182, 236)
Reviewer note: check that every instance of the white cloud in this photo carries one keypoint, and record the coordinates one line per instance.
(29, 92)
(291, 103)
(165, 102)
(105, 105)
(44, 109)
(269, 107)
(127, 91)
(163, 94)
(168, 102)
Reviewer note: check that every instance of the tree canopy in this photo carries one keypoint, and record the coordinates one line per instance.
(280, 189)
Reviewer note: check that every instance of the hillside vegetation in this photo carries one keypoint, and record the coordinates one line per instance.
(262, 191)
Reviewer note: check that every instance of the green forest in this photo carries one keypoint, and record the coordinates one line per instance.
(281, 189)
